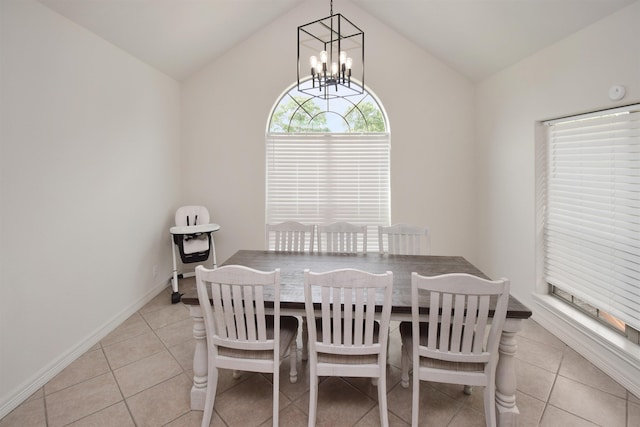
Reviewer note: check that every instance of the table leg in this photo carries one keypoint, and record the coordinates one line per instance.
(199, 388)
(507, 411)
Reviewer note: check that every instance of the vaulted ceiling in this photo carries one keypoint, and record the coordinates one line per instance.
(178, 37)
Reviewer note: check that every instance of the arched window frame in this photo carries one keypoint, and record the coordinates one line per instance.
(319, 174)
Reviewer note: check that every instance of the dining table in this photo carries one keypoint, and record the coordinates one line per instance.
(292, 302)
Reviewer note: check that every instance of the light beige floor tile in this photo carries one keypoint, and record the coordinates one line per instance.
(40, 394)
(372, 419)
(146, 372)
(176, 333)
(555, 417)
(89, 365)
(577, 368)
(338, 403)
(161, 403)
(81, 400)
(162, 300)
(531, 410)
(366, 386)
(166, 315)
(132, 327)
(468, 417)
(533, 331)
(290, 416)
(534, 381)
(539, 354)
(113, 416)
(436, 408)
(184, 353)
(456, 392)
(194, 419)
(249, 403)
(293, 390)
(633, 416)
(30, 413)
(589, 403)
(133, 349)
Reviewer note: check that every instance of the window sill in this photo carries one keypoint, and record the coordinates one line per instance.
(615, 355)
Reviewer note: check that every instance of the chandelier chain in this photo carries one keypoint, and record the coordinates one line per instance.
(330, 7)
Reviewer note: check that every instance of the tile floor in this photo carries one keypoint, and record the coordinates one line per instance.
(140, 375)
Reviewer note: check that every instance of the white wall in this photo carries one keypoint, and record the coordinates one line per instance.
(89, 183)
(226, 107)
(570, 77)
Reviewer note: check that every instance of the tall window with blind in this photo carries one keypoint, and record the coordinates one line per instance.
(328, 161)
(592, 215)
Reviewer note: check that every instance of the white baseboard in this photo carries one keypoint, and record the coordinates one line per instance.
(615, 355)
(45, 375)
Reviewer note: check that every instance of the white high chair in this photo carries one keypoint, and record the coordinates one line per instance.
(192, 234)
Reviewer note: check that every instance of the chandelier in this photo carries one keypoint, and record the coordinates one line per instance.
(334, 49)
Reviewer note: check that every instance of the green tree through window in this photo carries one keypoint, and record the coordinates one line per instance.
(297, 112)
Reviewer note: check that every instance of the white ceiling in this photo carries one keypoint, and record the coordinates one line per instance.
(475, 37)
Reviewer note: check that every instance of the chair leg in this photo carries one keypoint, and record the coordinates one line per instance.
(293, 362)
(313, 397)
(404, 358)
(382, 399)
(276, 394)
(212, 385)
(305, 339)
(490, 405)
(415, 404)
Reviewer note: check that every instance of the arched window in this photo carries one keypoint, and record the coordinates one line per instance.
(328, 161)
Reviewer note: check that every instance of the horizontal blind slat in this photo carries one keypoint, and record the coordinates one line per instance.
(592, 221)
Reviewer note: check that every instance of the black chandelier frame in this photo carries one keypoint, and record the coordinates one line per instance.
(331, 34)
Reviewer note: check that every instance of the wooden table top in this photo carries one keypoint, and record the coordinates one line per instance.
(292, 266)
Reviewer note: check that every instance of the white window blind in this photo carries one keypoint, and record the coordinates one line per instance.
(324, 178)
(592, 221)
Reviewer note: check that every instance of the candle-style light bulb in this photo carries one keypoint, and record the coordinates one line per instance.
(349, 63)
(314, 64)
(323, 56)
(334, 68)
(343, 57)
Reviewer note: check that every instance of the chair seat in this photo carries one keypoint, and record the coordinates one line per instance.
(406, 336)
(288, 332)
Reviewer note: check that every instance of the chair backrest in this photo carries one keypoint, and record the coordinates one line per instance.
(341, 237)
(347, 301)
(192, 215)
(290, 236)
(459, 313)
(404, 239)
(237, 317)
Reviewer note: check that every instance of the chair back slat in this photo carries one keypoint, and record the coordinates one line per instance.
(290, 236)
(342, 237)
(459, 313)
(238, 315)
(348, 300)
(404, 239)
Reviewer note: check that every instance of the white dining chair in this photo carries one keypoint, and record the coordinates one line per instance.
(342, 237)
(346, 340)
(459, 343)
(240, 335)
(290, 236)
(404, 239)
